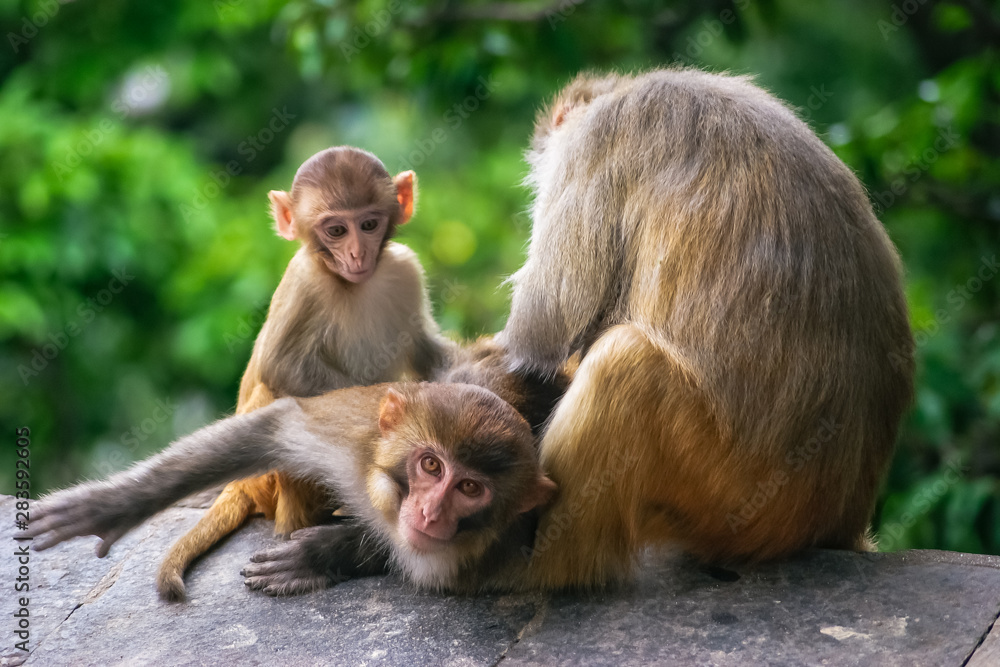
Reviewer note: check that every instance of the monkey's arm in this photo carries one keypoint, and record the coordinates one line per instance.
(316, 558)
(223, 451)
(558, 305)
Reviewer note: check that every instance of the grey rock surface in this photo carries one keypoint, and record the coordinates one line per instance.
(825, 607)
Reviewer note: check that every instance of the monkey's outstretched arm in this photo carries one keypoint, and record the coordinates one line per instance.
(223, 451)
(315, 558)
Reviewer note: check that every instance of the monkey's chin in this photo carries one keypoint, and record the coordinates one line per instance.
(422, 542)
(359, 277)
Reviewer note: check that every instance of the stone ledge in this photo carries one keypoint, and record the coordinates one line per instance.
(825, 607)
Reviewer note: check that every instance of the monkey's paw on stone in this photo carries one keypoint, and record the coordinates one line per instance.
(77, 512)
(301, 565)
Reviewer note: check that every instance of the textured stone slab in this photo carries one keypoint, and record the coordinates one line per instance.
(831, 608)
(120, 620)
(988, 654)
(913, 608)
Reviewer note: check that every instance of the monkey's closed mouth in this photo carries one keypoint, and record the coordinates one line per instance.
(422, 542)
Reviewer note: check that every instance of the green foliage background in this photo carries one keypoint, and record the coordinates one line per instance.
(138, 142)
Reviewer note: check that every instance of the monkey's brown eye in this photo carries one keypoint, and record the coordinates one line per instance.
(470, 488)
(336, 231)
(369, 225)
(430, 465)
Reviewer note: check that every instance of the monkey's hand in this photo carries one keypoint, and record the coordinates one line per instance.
(315, 558)
(86, 509)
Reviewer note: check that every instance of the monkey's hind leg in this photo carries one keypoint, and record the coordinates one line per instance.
(638, 459)
(237, 501)
(299, 504)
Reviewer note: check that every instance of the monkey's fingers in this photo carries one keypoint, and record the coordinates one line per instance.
(316, 532)
(286, 583)
(282, 558)
(260, 565)
(64, 516)
(298, 586)
(109, 538)
(43, 542)
(51, 527)
(283, 570)
(50, 534)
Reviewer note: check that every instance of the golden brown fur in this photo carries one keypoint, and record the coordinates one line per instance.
(748, 355)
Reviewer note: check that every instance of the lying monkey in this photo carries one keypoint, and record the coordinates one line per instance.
(438, 479)
(351, 309)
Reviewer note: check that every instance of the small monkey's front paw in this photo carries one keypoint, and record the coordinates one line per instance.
(290, 568)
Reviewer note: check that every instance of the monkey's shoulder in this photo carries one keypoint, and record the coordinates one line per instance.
(401, 262)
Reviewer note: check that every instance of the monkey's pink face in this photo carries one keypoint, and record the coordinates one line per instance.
(351, 241)
(442, 493)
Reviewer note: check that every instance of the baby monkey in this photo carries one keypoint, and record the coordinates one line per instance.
(351, 309)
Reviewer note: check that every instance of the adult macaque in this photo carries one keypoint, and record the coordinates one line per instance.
(437, 479)
(350, 310)
(734, 296)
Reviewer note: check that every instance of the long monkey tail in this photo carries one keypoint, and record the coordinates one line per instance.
(230, 510)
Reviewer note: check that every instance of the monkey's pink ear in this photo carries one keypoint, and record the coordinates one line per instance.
(541, 494)
(559, 113)
(391, 411)
(281, 211)
(406, 194)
